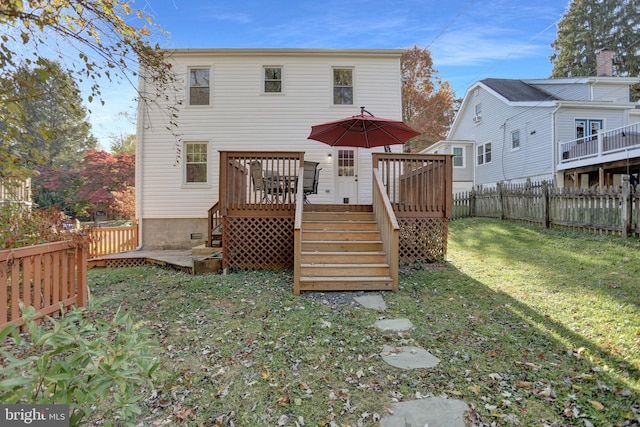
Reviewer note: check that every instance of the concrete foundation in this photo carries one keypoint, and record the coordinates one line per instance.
(172, 233)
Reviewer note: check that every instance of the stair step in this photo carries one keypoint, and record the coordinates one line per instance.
(309, 283)
(341, 235)
(340, 225)
(338, 216)
(344, 270)
(335, 257)
(341, 245)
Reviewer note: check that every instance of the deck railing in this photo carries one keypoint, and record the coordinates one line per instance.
(387, 226)
(45, 277)
(417, 184)
(621, 139)
(258, 181)
(297, 234)
(419, 189)
(16, 191)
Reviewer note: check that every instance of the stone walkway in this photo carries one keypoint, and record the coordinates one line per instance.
(428, 412)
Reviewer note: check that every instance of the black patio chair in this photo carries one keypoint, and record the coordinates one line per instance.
(267, 186)
(310, 179)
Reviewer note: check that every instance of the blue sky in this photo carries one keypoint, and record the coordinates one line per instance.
(469, 40)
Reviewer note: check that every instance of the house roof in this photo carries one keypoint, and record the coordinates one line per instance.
(518, 90)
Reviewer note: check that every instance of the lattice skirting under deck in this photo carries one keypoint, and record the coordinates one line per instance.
(422, 240)
(257, 243)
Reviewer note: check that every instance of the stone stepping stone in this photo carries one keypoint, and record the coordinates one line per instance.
(432, 412)
(409, 357)
(397, 325)
(374, 302)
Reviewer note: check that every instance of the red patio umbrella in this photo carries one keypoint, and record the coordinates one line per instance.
(362, 131)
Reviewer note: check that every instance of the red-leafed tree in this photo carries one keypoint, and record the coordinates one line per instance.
(427, 101)
(105, 177)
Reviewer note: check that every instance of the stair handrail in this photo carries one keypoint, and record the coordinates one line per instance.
(387, 226)
(297, 230)
(215, 221)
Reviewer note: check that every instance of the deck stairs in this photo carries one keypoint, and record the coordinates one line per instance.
(342, 251)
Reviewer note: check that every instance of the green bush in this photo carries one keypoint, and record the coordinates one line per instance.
(78, 361)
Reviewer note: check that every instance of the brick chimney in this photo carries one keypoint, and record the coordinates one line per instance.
(604, 63)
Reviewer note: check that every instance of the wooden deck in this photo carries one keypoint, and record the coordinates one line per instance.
(262, 224)
(182, 260)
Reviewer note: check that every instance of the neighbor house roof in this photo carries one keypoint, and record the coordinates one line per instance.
(517, 90)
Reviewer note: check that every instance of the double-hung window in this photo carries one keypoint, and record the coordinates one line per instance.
(343, 86)
(515, 140)
(458, 157)
(195, 162)
(199, 86)
(484, 153)
(272, 79)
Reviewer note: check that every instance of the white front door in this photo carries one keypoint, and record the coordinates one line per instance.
(347, 175)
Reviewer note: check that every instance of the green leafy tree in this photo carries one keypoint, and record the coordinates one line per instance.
(124, 144)
(427, 101)
(591, 25)
(56, 126)
(93, 39)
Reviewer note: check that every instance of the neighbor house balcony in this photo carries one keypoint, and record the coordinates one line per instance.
(606, 147)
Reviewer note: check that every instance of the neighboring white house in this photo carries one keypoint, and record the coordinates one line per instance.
(255, 99)
(512, 130)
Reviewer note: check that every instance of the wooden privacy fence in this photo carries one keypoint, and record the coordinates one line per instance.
(419, 189)
(111, 240)
(42, 276)
(608, 210)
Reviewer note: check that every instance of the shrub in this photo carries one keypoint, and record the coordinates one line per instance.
(86, 363)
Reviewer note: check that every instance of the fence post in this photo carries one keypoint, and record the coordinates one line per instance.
(499, 189)
(472, 203)
(626, 207)
(545, 204)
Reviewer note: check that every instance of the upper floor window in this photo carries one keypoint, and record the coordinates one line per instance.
(477, 118)
(515, 139)
(458, 157)
(484, 153)
(586, 127)
(199, 86)
(272, 79)
(342, 86)
(195, 162)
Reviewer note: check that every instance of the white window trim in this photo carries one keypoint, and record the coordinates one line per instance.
(484, 154)
(519, 140)
(282, 80)
(188, 85)
(353, 86)
(192, 185)
(587, 123)
(464, 161)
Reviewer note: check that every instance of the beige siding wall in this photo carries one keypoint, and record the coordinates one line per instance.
(242, 117)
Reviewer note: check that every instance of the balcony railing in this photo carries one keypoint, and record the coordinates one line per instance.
(603, 144)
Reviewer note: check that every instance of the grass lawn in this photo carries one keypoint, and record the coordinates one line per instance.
(531, 327)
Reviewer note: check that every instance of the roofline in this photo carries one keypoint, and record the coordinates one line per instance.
(285, 51)
(582, 80)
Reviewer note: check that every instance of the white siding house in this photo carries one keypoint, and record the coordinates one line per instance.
(255, 100)
(517, 129)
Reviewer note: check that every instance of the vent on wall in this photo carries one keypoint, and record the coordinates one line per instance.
(196, 236)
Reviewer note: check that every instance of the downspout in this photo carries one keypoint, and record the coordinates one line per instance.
(556, 148)
(138, 170)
